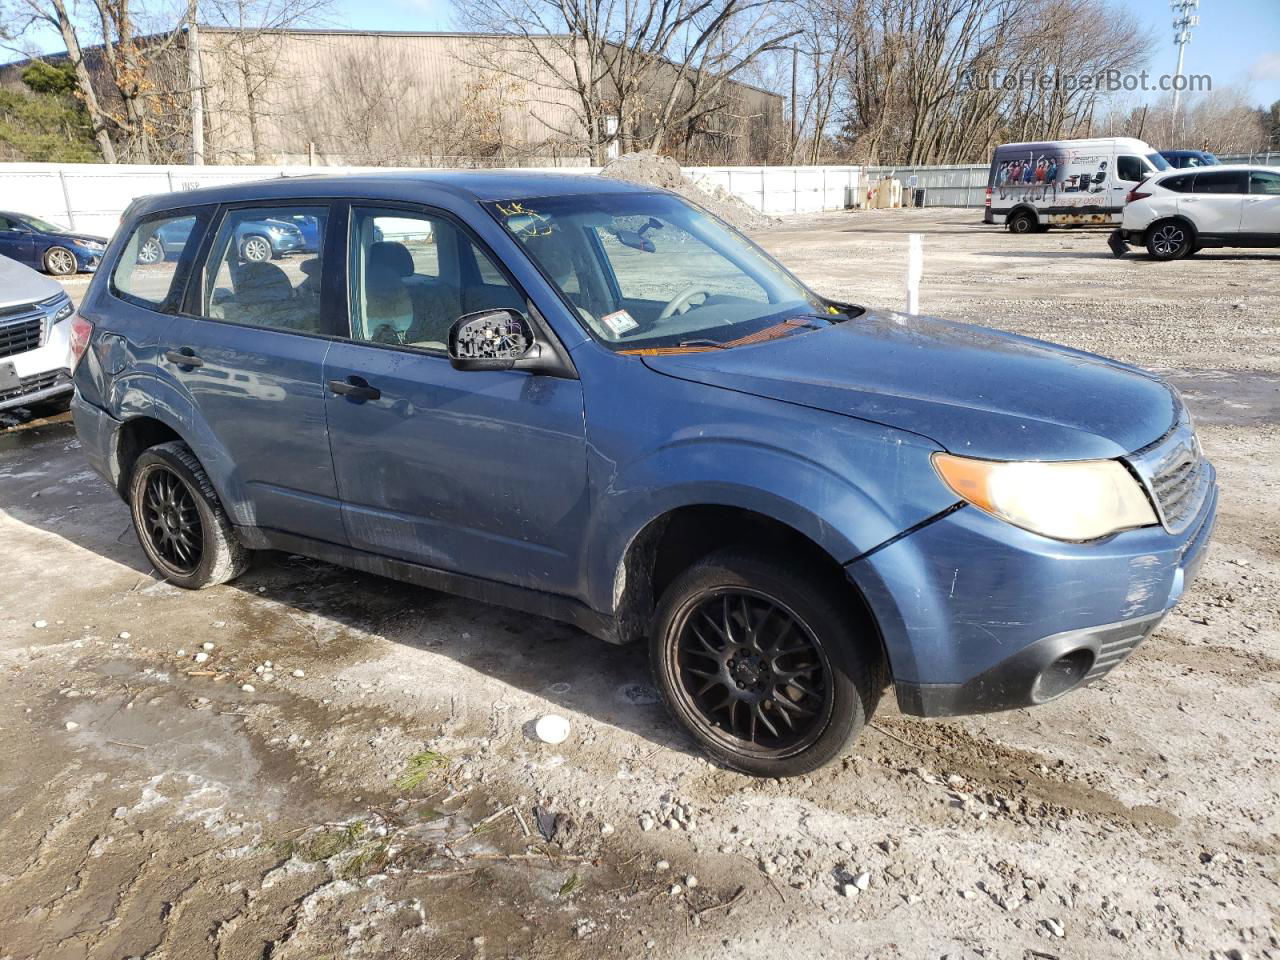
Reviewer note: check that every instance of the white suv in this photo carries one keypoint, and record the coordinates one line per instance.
(34, 333)
(1175, 214)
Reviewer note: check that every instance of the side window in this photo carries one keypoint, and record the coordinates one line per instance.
(412, 275)
(1260, 181)
(148, 265)
(1131, 169)
(1179, 184)
(265, 268)
(1229, 181)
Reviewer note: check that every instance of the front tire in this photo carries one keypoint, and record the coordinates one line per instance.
(60, 262)
(179, 521)
(255, 249)
(771, 668)
(1169, 240)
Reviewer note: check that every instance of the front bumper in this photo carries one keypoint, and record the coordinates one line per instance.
(977, 615)
(42, 371)
(37, 388)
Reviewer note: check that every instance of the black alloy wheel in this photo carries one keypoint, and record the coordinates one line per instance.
(171, 521)
(179, 520)
(753, 672)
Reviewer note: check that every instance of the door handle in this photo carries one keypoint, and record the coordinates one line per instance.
(355, 388)
(185, 357)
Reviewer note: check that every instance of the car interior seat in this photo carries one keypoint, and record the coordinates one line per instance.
(263, 296)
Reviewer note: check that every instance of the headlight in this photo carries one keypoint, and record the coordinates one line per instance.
(1073, 500)
(63, 312)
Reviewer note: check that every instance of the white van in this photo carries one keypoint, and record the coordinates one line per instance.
(1033, 186)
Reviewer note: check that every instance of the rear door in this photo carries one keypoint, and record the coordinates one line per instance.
(481, 473)
(1216, 202)
(247, 354)
(1261, 216)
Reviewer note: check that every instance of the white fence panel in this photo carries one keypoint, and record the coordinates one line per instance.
(91, 197)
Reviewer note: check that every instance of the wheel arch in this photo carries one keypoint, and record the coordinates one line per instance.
(161, 423)
(675, 539)
(1179, 218)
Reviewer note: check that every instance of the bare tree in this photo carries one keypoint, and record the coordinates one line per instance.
(635, 73)
(940, 81)
(125, 76)
(251, 55)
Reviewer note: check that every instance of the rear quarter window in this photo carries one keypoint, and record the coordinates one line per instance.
(152, 266)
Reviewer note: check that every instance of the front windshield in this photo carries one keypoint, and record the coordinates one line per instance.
(1159, 162)
(651, 271)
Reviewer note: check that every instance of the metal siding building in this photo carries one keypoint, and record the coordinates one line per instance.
(347, 97)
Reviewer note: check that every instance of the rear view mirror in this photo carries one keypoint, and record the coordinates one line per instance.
(635, 240)
(491, 340)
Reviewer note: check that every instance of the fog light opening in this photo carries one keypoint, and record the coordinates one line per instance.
(1062, 675)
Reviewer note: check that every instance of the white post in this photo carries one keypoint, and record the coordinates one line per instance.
(915, 267)
(66, 199)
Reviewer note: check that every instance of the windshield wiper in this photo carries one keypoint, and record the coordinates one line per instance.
(703, 342)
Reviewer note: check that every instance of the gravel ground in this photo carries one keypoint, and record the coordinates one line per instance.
(348, 769)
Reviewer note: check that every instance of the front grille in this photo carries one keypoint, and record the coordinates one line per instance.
(41, 381)
(1176, 475)
(21, 334)
(1175, 485)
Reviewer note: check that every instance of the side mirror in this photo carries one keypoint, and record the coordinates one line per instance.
(491, 340)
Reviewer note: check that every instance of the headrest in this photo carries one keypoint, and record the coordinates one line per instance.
(394, 255)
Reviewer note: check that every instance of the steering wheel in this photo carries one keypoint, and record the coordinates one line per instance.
(680, 302)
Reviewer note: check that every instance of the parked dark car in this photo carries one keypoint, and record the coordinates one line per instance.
(1189, 158)
(256, 240)
(593, 401)
(47, 246)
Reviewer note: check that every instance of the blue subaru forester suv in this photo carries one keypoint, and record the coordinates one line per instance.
(595, 402)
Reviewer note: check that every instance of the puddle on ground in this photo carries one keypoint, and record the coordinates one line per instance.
(1230, 397)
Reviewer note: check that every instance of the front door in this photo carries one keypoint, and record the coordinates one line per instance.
(1216, 202)
(481, 473)
(16, 241)
(249, 358)
(1261, 216)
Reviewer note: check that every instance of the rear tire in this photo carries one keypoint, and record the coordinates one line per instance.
(179, 521)
(1169, 240)
(1022, 222)
(770, 667)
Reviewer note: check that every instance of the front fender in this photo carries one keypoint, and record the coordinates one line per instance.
(846, 484)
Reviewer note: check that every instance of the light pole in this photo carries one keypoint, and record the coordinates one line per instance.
(1183, 21)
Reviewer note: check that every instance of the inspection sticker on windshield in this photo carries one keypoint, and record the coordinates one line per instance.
(619, 322)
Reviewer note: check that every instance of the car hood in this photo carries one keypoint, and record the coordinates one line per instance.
(974, 391)
(21, 285)
(78, 237)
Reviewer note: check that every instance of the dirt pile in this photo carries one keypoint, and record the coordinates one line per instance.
(653, 170)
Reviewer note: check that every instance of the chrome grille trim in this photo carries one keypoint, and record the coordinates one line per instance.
(20, 332)
(1175, 474)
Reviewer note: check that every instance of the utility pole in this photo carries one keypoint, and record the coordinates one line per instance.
(195, 82)
(1183, 21)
